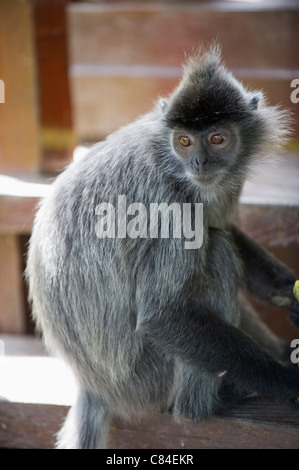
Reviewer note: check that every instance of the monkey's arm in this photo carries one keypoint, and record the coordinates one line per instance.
(201, 338)
(182, 310)
(265, 275)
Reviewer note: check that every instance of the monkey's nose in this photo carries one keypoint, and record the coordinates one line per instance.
(199, 162)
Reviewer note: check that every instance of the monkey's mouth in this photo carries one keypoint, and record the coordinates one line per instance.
(204, 178)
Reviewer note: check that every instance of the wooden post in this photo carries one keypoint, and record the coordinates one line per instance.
(19, 132)
(12, 318)
(19, 142)
(50, 32)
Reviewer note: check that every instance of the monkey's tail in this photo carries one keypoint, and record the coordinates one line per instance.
(86, 425)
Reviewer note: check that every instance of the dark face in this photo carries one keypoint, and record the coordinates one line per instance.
(207, 154)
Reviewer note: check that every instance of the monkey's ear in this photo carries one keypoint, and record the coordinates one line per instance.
(254, 101)
(163, 104)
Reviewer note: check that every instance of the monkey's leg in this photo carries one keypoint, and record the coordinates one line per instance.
(201, 338)
(195, 392)
(86, 424)
(199, 394)
(265, 276)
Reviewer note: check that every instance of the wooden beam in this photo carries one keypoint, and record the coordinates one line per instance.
(256, 424)
(115, 33)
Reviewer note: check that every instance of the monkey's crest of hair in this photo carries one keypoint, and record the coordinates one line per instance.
(203, 59)
(209, 93)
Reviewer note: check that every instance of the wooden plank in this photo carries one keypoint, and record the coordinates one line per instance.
(24, 426)
(103, 104)
(20, 194)
(273, 182)
(50, 32)
(218, 4)
(110, 43)
(159, 34)
(12, 318)
(260, 424)
(270, 225)
(17, 214)
(160, 432)
(107, 98)
(19, 134)
(277, 92)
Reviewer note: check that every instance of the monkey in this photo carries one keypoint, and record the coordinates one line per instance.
(146, 324)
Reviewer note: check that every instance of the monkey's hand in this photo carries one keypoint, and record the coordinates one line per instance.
(296, 290)
(266, 276)
(295, 305)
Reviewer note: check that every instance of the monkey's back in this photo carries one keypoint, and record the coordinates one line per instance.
(83, 288)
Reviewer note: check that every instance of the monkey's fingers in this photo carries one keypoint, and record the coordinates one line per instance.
(295, 305)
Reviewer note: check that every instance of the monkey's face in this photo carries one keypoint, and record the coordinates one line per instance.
(207, 155)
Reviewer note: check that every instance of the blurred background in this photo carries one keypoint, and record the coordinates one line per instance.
(73, 71)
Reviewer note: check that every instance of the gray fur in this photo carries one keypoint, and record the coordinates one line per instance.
(121, 311)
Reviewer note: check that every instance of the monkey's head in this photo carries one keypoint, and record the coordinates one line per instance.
(218, 128)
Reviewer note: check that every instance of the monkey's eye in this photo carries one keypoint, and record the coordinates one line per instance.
(217, 139)
(185, 141)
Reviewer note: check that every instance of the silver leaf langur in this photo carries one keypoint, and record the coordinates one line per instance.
(145, 323)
